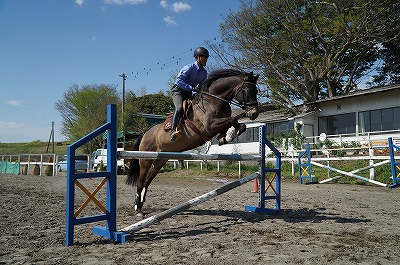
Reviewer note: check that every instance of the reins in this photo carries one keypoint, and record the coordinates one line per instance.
(222, 99)
(233, 101)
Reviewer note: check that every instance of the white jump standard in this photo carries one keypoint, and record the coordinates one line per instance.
(306, 172)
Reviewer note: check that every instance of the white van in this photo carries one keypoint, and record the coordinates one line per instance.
(100, 156)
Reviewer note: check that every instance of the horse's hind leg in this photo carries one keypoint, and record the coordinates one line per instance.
(145, 166)
(149, 169)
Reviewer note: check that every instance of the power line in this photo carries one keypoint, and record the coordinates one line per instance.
(162, 65)
(176, 59)
(166, 63)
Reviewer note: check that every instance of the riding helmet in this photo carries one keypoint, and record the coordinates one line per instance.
(201, 51)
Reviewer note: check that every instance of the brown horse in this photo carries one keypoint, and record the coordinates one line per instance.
(210, 114)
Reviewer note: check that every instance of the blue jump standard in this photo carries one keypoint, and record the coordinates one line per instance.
(109, 216)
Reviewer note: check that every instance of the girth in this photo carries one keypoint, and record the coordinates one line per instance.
(187, 105)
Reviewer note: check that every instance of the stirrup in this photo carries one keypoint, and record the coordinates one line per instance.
(176, 134)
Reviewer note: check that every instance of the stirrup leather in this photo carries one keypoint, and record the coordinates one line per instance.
(176, 134)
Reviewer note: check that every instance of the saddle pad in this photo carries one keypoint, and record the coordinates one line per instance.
(168, 123)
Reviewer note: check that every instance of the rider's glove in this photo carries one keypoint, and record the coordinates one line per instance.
(196, 88)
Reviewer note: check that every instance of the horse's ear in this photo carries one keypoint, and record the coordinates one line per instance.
(248, 77)
(256, 77)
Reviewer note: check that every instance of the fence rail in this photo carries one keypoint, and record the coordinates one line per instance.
(32, 160)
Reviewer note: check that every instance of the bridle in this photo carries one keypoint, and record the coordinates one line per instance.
(245, 105)
(239, 88)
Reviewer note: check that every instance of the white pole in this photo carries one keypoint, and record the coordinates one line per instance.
(184, 206)
(371, 163)
(350, 174)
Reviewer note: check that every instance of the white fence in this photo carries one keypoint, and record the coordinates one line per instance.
(29, 161)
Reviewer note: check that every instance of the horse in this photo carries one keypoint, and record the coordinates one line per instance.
(209, 115)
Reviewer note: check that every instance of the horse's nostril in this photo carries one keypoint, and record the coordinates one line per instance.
(254, 116)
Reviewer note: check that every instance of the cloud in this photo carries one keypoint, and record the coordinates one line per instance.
(93, 38)
(17, 132)
(164, 3)
(180, 7)
(79, 2)
(125, 2)
(170, 21)
(176, 6)
(15, 102)
(11, 125)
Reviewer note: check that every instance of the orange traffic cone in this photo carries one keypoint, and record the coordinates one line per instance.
(255, 186)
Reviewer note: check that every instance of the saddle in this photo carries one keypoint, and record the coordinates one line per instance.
(187, 106)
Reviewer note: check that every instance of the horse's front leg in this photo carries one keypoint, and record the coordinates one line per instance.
(241, 128)
(231, 133)
(221, 139)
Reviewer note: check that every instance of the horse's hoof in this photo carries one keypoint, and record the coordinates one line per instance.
(222, 141)
(140, 215)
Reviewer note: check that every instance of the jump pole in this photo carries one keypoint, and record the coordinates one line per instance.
(349, 174)
(184, 206)
(356, 171)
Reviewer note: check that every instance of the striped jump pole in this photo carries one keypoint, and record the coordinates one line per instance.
(184, 206)
(186, 156)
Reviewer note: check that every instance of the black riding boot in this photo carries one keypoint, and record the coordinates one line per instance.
(174, 124)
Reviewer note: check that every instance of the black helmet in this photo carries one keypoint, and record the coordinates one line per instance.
(201, 51)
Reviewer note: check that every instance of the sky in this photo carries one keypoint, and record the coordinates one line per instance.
(46, 46)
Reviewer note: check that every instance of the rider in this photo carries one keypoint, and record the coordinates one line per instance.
(189, 79)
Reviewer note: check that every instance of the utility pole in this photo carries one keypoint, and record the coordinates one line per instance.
(123, 95)
(124, 76)
(51, 138)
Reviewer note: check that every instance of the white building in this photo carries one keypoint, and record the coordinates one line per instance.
(367, 117)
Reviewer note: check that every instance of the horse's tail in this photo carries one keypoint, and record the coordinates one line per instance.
(134, 168)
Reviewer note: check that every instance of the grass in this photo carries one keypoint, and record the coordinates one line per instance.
(227, 168)
(34, 147)
(230, 170)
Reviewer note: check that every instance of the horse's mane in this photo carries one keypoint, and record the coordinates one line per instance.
(220, 74)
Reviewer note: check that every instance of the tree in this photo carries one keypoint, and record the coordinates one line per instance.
(389, 71)
(83, 109)
(158, 104)
(307, 50)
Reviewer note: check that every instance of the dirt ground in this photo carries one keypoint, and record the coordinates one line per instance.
(318, 224)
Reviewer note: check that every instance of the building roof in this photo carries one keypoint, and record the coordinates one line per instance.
(362, 92)
(268, 115)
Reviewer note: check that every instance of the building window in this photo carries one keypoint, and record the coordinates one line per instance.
(277, 128)
(364, 124)
(256, 134)
(379, 120)
(337, 124)
(396, 118)
(246, 136)
(250, 135)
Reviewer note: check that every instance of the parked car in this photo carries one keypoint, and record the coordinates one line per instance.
(81, 163)
(100, 156)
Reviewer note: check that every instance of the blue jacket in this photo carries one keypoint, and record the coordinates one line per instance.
(190, 76)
